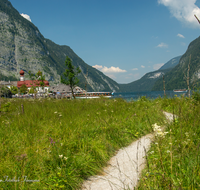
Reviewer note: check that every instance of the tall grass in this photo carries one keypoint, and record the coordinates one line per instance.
(57, 144)
(174, 159)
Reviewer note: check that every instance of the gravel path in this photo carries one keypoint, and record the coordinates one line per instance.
(125, 167)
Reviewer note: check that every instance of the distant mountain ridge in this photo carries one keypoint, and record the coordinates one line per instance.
(147, 82)
(171, 63)
(176, 77)
(22, 46)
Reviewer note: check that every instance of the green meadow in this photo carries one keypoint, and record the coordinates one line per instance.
(173, 162)
(57, 144)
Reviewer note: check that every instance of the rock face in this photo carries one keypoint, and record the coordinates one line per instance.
(22, 46)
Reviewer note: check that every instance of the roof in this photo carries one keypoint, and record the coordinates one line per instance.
(9, 83)
(64, 88)
(30, 83)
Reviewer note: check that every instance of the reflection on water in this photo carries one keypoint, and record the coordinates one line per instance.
(152, 95)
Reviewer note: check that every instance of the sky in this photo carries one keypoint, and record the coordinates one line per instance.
(124, 39)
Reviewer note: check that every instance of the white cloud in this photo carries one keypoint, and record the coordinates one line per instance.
(112, 70)
(157, 66)
(134, 69)
(98, 66)
(180, 35)
(26, 17)
(183, 10)
(109, 70)
(162, 45)
(143, 66)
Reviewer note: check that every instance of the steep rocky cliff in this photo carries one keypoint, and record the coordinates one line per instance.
(22, 46)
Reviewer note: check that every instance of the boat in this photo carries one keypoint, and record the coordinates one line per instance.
(94, 95)
(180, 90)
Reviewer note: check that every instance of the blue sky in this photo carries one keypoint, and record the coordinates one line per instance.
(122, 38)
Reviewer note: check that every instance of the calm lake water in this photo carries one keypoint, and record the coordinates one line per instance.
(152, 95)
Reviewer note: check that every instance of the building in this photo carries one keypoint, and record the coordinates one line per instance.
(65, 89)
(35, 83)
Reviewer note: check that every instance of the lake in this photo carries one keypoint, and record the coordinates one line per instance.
(152, 95)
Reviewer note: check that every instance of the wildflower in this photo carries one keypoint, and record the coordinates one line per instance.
(158, 130)
(65, 158)
(112, 111)
(60, 156)
(187, 134)
(61, 144)
(51, 141)
(151, 152)
(156, 127)
(168, 151)
(55, 112)
(60, 115)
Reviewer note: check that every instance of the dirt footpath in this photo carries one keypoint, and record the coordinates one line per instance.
(125, 167)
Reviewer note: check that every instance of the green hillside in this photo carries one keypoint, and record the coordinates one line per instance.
(176, 78)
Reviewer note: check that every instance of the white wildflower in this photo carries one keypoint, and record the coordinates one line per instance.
(158, 130)
(168, 151)
(65, 158)
(187, 134)
(60, 156)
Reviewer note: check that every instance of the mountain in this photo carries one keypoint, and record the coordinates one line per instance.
(22, 46)
(176, 77)
(147, 82)
(172, 63)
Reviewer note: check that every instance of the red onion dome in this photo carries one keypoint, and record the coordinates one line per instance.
(21, 72)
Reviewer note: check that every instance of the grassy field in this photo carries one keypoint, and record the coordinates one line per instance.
(174, 159)
(57, 144)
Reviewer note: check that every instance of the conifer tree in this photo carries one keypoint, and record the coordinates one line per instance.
(70, 75)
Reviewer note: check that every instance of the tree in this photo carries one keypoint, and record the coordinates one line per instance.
(14, 89)
(23, 89)
(40, 78)
(70, 75)
(31, 76)
(33, 90)
(5, 92)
